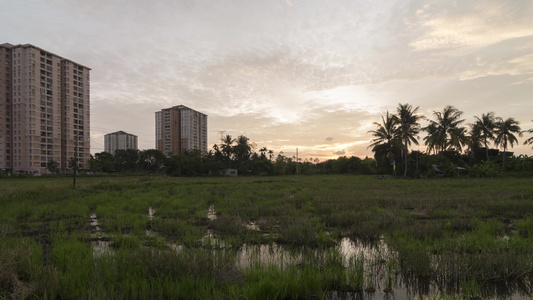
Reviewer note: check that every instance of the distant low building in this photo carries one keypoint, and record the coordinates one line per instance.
(228, 172)
(119, 140)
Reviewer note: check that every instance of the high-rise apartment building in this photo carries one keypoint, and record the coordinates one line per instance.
(119, 140)
(179, 129)
(44, 110)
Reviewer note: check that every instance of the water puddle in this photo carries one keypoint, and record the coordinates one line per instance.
(100, 243)
(151, 213)
(211, 213)
(370, 268)
(253, 226)
(249, 256)
(94, 223)
(100, 247)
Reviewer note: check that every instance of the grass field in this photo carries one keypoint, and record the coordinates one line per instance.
(265, 237)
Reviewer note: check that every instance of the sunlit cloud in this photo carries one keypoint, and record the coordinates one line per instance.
(312, 75)
(477, 24)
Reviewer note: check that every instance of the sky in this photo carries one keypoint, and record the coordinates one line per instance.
(313, 75)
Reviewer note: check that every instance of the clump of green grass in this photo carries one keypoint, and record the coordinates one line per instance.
(448, 231)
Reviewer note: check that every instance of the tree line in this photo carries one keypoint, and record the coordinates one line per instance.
(452, 148)
(448, 141)
(231, 153)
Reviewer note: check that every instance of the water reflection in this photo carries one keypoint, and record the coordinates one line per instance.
(211, 213)
(151, 213)
(253, 226)
(249, 256)
(99, 242)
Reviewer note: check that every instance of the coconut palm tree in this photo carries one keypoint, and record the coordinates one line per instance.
(385, 134)
(443, 133)
(485, 126)
(270, 154)
(458, 138)
(263, 151)
(227, 146)
(530, 140)
(242, 149)
(432, 139)
(505, 134)
(408, 128)
(474, 140)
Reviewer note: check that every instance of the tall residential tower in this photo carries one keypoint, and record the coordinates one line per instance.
(179, 129)
(119, 140)
(44, 110)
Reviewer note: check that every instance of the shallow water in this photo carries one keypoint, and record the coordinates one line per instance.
(211, 213)
(373, 255)
(100, 242)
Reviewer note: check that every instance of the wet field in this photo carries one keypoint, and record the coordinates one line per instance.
(332, 237)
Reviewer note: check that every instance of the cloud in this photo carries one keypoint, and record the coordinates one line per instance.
(287, 73)
(473, 24)
(340, 152)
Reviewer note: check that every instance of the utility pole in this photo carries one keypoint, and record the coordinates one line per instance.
(222, 132)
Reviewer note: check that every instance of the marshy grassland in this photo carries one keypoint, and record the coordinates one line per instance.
(305, 237)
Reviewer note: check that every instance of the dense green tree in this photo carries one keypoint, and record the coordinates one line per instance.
(52, 166)
(188, 163)
(261, 165)
(151, 160)
(505, 134)
(408, 128)
(103, 162)
(126, 160)
(280, 165)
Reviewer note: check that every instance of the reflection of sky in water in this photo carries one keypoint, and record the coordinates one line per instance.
(373, 255)
(100, 244)
(211, 213)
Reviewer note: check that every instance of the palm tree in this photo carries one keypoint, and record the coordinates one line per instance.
(408, 129)
(263, 151)
(270, 154)
(485, 126)
(444, 133)
(458, 138)
(242, 149)
(530, 140)
(432, 139)
(474, 140)
(385, 134)
(505, 130)
(227, 146)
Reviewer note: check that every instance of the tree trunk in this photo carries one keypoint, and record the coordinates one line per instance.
(405, 161)
(504, 148)
(487, 150)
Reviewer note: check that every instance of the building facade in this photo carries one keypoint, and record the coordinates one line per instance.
(44, 110)
(179, 129)
(119, 140)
